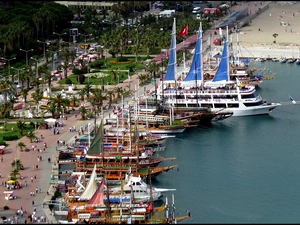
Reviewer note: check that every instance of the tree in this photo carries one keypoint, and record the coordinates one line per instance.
(275, 36)
(37, 96)
(64, 67)
(83, 111)
(74, 101)
(31, 135)
(21, 126)
(59, 102)
(21, 145)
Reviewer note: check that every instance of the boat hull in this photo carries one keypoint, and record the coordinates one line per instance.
(251, 111)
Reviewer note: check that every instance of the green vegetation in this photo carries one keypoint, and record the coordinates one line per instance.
(100, 74)
(12, 132)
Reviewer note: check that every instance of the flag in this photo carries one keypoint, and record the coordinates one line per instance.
(183, 31)
(293, 101)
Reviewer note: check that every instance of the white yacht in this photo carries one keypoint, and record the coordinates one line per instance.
(218, 94)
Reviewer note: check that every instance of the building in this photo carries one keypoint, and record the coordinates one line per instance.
(98, 5)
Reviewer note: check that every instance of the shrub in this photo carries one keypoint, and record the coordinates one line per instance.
(76, 71)
(3, 143)
(10, 137)
(96, 64)
(68, 81)
(5, 207)
(122, 59)
(32, 124)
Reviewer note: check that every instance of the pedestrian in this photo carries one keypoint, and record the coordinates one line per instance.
(40, 190)
(1, 158)
(0, 175)
(32, 203)
(36, 190)
(25, 183)
(34, 176)
(31, 179)
(42, 136)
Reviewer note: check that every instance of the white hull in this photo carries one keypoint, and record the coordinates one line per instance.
(250, 111)
(161, 131)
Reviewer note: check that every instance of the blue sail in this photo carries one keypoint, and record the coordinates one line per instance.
(170, 74)
(195, 72)
(222, 72)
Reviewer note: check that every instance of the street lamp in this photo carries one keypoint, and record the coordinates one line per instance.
(36, 68)
(26, 51)
(52, 58)
(44, 47)
(18, 75)
(8, 64)
(85, 35)
(59, 36)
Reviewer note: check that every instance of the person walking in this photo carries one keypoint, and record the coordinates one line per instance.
(32, 203)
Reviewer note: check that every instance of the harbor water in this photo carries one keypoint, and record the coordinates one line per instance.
(242, 169)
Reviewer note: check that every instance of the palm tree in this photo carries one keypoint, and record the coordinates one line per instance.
(87, 88)
(60, 102)
(98, 97)
(16, 164)
(36, 82)
(64, 67)
(119, 92)
(31, 135)
(83, 111)
(24, 94)
(110, 94)
(52, 109)
(81, 93)
(21, 126)
(74, 101)
(21, 145)
(37, 96)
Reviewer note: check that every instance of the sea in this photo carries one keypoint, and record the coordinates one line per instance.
(242, 169)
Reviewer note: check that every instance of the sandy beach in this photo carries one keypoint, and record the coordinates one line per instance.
(282, 18)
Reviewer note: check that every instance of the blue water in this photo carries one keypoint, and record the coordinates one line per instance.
(242, 169)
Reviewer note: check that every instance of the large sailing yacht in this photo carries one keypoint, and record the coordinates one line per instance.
(218, 94)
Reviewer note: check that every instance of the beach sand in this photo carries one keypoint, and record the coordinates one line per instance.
(269, 23)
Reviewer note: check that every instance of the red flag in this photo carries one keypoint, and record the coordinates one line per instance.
(183, 31)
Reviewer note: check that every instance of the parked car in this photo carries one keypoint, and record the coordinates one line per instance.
(196, 10)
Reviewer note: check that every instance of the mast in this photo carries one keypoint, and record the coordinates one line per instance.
(201, 57)
(175, 59)
(227, 55)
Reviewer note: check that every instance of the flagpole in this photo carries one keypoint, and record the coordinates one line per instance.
(175, 59)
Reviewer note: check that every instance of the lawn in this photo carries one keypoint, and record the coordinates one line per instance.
(131, 66)
(12, 129)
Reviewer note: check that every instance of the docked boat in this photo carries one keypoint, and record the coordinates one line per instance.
(217, 94)
(291, 60)
(275, 59)
(283, 60)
